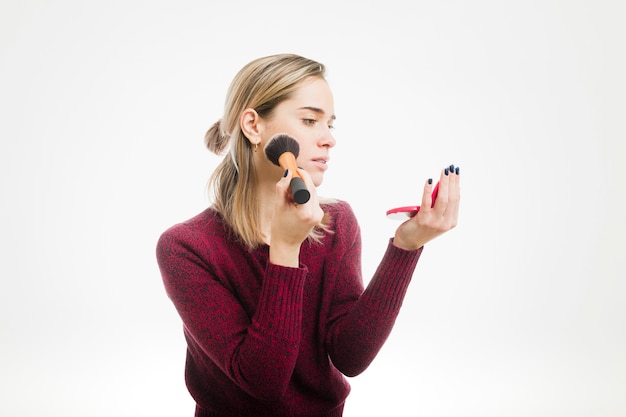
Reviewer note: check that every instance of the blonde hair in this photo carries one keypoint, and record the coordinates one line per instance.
(261, 85)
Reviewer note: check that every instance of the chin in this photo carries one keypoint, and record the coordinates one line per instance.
(317, 180)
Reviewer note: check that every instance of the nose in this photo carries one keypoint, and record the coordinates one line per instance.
(327, 140)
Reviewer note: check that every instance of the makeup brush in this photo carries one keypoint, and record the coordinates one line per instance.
(282, 150)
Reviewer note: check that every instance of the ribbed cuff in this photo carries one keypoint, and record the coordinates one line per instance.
(280, 305)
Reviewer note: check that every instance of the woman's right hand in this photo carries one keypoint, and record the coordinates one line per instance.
(291, 222)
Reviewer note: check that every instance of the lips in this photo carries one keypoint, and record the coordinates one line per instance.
(321, 162)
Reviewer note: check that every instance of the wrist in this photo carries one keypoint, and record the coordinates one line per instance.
(410, 246)
(285, 255)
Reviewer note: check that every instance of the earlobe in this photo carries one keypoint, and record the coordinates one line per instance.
(250, 126)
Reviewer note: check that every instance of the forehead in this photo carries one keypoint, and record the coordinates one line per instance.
(314, 92)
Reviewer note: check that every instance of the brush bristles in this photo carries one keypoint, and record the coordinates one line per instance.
(278, 145)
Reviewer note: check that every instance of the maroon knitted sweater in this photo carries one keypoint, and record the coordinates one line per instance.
(269, 340)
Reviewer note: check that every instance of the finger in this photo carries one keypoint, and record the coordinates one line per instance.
(282, 188)
(427, 200)
(454, 195)
(441, 203)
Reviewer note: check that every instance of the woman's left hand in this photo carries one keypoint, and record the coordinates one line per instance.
(431, 222)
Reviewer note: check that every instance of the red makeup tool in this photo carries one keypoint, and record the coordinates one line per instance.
(406, 212)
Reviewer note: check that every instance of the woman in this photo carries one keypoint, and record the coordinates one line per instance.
(270, 292)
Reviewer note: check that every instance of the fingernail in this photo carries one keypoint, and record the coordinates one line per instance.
(286, 173)
(451, 168)
(447, 171)
(457, 171)
(430, 181)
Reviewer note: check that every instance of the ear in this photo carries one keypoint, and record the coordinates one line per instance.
(250, 123)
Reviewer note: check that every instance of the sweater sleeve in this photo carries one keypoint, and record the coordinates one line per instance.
(257, 353)
(361, 320)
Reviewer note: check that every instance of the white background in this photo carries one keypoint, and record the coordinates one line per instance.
(519, 311)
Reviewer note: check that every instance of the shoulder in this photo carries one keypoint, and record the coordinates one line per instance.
(343, 221)
(338, 208)
(334, 204)
(206, 228)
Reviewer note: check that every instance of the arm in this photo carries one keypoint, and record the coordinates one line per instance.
(361, 321)
(257, 353)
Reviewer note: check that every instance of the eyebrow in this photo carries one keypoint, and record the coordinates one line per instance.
(318, 111)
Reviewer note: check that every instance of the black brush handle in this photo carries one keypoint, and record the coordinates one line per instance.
(300, 194)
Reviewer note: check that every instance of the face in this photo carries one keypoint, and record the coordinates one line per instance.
(308, 117)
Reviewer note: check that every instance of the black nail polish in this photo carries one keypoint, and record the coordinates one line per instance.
(447, 171)
(430, 181)
(286, 173)
(457, 171)
(451, 168)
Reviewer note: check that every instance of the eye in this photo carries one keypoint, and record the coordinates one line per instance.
(309, 122)
(331, 127)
